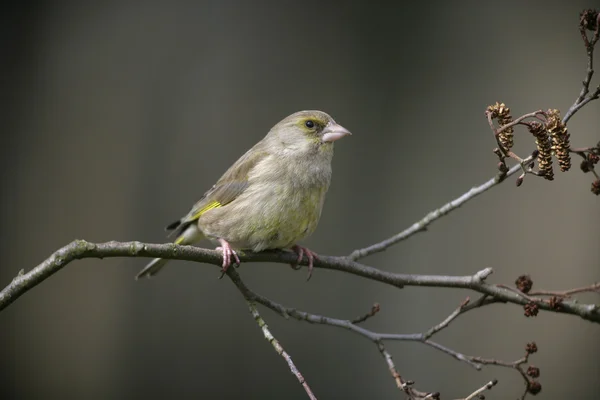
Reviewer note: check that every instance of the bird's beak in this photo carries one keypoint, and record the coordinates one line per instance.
(333, 132)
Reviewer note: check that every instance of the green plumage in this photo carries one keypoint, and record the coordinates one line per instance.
(272, 196)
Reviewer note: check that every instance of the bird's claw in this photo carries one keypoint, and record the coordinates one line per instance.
(301, 251)
(228, 254)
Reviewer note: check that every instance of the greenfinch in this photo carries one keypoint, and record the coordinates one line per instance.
(270, 198)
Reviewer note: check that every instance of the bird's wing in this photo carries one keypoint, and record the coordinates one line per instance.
(233, 183)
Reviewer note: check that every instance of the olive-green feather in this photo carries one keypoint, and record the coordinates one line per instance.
(233, 183)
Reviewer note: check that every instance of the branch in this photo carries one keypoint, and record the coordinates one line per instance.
(379, 338)
(279, 349)
(577, 106)
(433, 216)
(376, 338)
(405, 386)
(584, 96)
(80, 249)
(531, 385)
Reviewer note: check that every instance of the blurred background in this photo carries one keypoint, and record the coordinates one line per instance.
(117, 116)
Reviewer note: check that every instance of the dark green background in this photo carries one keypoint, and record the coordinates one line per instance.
(117, 116)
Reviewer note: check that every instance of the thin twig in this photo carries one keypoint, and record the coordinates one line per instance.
(581, 152)
(487, 386)
(516, 121)
(584, 95)
(433, 216)
(374, 310)
(347, 324)
(516, 365)
(578, 106)
(392, 367)
(405, 386)
(279, 349)
(376, 338)
(500, 363)
(435, 329)
(518, 292)
(594, 288)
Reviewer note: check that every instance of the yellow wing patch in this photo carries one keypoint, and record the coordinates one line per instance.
(209, 206)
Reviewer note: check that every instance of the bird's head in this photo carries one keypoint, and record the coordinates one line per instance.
(308, 131)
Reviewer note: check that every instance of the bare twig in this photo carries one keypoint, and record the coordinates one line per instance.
(279, 349)
(578, 106)
(516, 365)
(435, 329)
(516, 291)
(374, 310)
(405, 386)
(433, 216)
(392, 367)
(594, 288)
(517, 121)
(584, 96)
(487, 386)
(581, 152)
(377, 338)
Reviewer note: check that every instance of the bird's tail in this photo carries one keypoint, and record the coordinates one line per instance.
(190, 235)
(152, 268)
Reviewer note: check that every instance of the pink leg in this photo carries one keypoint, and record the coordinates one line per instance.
(228, 252)
(301, 251)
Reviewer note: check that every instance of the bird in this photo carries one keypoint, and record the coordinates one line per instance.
(270, 198)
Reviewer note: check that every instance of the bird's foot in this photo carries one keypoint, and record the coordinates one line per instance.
(301, 251)
(228, 253)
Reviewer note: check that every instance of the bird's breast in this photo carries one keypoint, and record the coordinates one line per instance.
(280, 206)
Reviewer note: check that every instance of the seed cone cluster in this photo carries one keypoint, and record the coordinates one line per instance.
(500, 112)
(551, 139)
(560, 139)
(544, 147)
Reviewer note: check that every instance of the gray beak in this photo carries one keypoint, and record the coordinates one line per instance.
(333, 132)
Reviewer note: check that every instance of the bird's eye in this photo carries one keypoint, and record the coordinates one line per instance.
(309, 124)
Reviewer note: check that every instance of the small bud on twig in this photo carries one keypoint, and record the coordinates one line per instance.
(555, 302)
(524, 283)
(531, 309)
(531, 348)
(589, 20)
(596, 187)
(585, 166)
(520, 179)
(534, 387)
(533, 372)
